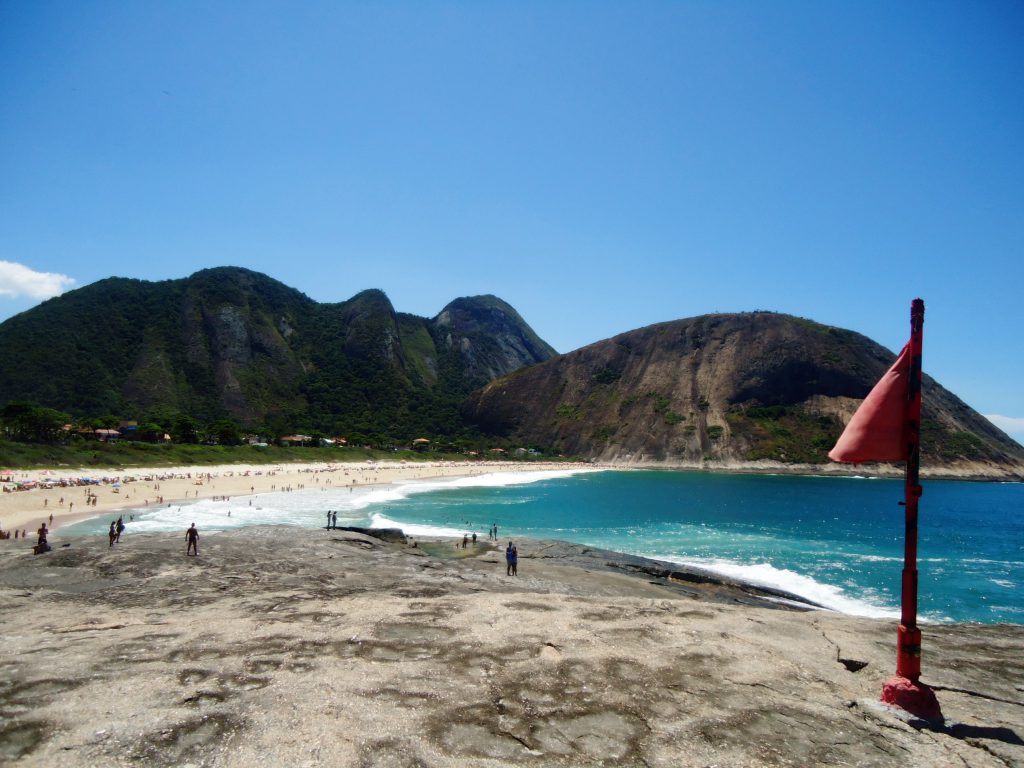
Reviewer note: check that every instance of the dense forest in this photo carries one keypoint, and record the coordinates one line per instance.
(228, 352)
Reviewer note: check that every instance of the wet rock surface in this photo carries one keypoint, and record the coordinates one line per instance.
(280, 646)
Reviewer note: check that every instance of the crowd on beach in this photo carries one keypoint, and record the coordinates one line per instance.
(110, 491)
(118, 488)
(48, 478)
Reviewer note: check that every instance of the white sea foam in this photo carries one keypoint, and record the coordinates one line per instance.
(399, 492)
(875, 558)
(983, 561)
(403, 491)
(767, 575)
(308, 507)
(1007, 609)
(416, 529)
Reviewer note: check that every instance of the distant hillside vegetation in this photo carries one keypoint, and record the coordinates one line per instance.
(724, 388)
(231, 343)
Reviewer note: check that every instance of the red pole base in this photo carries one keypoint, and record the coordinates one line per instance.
(912, 696)
(908, 652)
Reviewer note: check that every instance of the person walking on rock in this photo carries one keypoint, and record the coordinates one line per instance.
(192, 537)
(41, 544)
(511, 559)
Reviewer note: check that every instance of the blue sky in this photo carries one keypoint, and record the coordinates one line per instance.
(600, 166)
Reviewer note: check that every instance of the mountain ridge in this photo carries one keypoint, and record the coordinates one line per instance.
(725, 389)
(752, 389)
(230, 342)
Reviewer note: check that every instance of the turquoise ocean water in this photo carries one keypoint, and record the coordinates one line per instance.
(837, 541)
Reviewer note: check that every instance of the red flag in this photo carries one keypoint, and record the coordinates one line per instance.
(876, 431)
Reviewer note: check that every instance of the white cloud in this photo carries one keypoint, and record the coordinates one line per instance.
(1011, 425)
(18, 280)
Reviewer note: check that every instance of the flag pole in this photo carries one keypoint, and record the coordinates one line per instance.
(905, 690)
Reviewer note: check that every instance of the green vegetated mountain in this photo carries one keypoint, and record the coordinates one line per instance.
(723, 388)
(228, 342)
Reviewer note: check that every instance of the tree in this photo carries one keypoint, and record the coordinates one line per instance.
(16, 417)
(28, 422)
(224, 432)
(184, 429)
(150, 432)
(48, 425)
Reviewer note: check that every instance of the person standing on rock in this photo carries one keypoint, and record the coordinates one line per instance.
(328, 519)
(113, 532)
(334, 520)
(192, 537)
(120, 529)
(510, 559)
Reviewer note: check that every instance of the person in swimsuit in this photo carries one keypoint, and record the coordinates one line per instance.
(192, 537)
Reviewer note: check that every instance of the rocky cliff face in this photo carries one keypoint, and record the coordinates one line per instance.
(230, 342)
(724, 388)
(486, 338)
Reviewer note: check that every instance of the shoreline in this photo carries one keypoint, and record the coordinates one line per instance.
(131, 488)
(26, 509)
(178, 485)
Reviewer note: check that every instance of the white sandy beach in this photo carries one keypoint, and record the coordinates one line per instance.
(139, 487)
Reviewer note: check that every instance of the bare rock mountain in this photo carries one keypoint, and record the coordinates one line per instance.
(723, 388)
